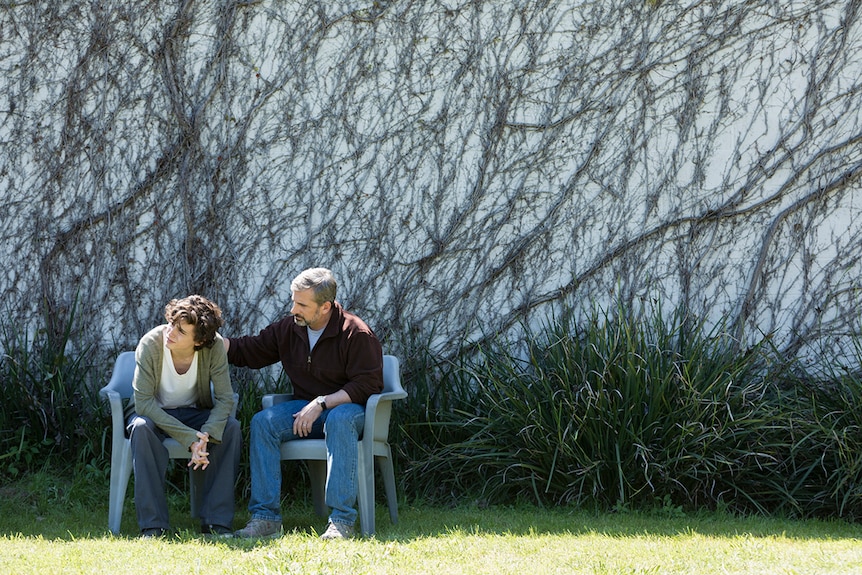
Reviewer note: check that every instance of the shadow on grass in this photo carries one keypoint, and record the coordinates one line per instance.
(77, 521)
(48, 509)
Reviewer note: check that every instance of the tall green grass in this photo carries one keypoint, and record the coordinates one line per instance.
(825, 462)
(630, 410)
(51, 408)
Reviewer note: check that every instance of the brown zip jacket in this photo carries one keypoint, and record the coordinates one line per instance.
(347, 356)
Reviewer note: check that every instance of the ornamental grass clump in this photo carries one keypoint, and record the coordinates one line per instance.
(49, 405)
(623, 409)
(825, 462)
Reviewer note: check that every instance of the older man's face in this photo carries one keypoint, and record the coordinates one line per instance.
(307, 312)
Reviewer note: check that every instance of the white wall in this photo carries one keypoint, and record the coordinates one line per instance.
(459, 165)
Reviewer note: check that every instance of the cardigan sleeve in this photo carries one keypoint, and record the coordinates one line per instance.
(214, 368)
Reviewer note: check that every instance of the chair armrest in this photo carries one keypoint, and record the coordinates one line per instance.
(378, 410)
(271, 399)
(391, 395)
(118, 425)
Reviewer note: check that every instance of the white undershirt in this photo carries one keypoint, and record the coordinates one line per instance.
(177, 390)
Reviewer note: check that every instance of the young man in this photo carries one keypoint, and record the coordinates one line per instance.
(334, 362)
(176, 364)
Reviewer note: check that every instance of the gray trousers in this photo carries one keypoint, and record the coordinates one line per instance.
(150, 463)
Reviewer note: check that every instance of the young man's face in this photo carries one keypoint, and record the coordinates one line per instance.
(307, 312)
(180, 337)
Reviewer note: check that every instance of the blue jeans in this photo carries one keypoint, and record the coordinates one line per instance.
(340, 426)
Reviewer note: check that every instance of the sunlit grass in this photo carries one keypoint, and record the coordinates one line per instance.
(433, 540)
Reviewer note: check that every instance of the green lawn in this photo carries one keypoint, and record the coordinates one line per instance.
(54, 538)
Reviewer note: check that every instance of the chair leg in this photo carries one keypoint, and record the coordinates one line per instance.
(387, 470)
(121, 470)
(317, 477)
(365, 492)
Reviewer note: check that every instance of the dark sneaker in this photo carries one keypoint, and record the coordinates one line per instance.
(260, 528)
(153, 532)
(217, 531)
(337, 531)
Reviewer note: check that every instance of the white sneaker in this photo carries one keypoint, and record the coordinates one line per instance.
(337, 531)
(260, 528)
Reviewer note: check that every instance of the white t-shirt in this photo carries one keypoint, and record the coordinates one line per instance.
(177, 390)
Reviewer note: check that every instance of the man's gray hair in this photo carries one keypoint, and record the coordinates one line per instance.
(320, 281)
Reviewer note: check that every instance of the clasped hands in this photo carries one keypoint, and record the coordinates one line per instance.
(200, 455)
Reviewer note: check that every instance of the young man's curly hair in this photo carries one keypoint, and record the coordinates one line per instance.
(199, 312)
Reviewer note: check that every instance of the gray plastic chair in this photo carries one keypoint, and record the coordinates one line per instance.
(374, 445)
(119, 388)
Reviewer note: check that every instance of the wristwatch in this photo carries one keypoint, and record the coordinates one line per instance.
(321, 401)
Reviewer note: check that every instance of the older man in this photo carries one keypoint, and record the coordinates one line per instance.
(334, 362)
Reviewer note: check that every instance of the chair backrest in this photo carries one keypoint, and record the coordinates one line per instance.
(378, 428)
(392, 375)
(123, 374)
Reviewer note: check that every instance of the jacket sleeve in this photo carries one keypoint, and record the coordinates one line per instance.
(261, 350)
(364, 367)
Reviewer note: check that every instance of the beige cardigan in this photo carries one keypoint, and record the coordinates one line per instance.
(212, 368)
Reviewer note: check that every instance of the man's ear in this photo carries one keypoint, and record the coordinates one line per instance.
(326, 306)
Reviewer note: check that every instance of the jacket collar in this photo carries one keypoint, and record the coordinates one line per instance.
(333, 326)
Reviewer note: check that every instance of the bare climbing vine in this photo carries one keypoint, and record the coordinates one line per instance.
(463, 166)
